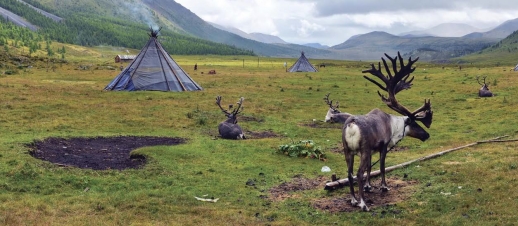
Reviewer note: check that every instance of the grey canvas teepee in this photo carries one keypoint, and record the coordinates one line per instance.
(302, 65)
(153, 69)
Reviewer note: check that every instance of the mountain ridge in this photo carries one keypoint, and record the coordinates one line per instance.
(178, 19)
(369, 45)
(501, 31)
(444, 30)
(256, 36)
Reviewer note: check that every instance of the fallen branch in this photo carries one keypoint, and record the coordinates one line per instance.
(343, 182)
(496, 141)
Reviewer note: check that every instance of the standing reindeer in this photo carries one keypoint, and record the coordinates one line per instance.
(229, 129)
(484, 90)
(333, 114)
(376, 131)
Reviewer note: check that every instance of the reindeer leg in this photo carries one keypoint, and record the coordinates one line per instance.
(349, 159)
(367, 187)
(383, 155)
(365, 159)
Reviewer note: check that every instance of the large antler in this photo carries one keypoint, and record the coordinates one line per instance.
(397, 82)
(218, 102)
(330, 103)
(484, 77)
(235, 111)
(239, 104)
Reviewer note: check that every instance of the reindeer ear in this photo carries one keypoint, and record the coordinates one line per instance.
(425, 117)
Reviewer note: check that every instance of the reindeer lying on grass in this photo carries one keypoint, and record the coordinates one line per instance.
(376, 131)
(229, 129)
(484, 90)
(333, 114)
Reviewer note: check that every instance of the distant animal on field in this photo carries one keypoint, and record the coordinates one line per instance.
(484, 90)
(229, 129)
(333, 114)
(378, 131)
(212, 72)
(322, 65)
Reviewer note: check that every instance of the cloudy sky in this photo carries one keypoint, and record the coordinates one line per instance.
(331, 22)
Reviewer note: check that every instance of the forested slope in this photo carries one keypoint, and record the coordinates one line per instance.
(87, 29)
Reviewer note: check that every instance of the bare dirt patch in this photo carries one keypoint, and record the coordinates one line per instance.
(288, 189)
(246, 118)
(321, 124)
(261, 134)
(248, 134)
(98, 153)
(338, 149)
(399, 191)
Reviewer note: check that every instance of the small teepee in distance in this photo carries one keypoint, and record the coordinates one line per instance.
(302, 65)
(153, 69)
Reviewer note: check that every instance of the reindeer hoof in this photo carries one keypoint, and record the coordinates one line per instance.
(367, 189)
(363, 205)
(384, 188)
(354, 202)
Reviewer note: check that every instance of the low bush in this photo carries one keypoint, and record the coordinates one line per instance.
(302, 148)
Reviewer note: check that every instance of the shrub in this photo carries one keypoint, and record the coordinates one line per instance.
(201, 121)
(303, 148)
(10, 72)
(190, 115)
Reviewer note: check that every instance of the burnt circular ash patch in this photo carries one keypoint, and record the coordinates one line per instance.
(98, 153)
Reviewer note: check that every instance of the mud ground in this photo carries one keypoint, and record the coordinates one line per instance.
(399, 191)
(98, 153)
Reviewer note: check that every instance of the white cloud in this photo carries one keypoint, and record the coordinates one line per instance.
(305, 28)
(331, 7)
(332, 22)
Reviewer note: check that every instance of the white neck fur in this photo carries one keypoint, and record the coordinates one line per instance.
(398, 127)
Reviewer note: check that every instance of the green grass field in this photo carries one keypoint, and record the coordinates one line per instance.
(62, 100)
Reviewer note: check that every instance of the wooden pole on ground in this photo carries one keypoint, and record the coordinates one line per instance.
(344, 182)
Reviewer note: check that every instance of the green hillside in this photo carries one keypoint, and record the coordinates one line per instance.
(92, 23)
(504, 52)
